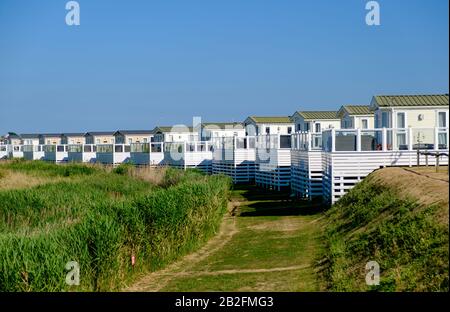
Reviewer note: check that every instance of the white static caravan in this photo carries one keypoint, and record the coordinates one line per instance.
(77, 149)
(209, 131)
(356, 117)
(107, 151)
(235, 156)
(86, 153)
(306, 164)
(133, 136)
(349, 155)
(141, 150)
(99, 137)
(3, 151)
(77, 138)
(315, 121)
(102, 143)
(272, 157)
(113, 154)
(151, 154)
(15, 146)
(177, 133)
(273, 161)
(50, 139)
(183, 155)
(413, 111)
(255, 126)
(32, 149)
(54, 149)
(306, 152)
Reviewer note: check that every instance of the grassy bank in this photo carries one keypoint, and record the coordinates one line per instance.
(100, 218)
(400, 220)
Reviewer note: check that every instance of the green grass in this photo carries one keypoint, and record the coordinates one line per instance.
(289, 281)
(273, 232)
(258, 247)
(42, 168)
(100, 219)
(373, 223)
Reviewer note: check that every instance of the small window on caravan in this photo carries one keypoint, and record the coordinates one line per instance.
(364, 124)
(385, 120)
(401, 122)
(442, 119)
(317, 129)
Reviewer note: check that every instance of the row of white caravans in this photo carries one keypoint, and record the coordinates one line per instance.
(314, 153)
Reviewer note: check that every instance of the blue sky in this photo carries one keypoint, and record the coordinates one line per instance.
(138, 64)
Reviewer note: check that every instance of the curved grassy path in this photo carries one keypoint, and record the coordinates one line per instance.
(267, 243)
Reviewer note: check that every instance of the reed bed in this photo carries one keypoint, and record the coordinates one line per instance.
(101, 219)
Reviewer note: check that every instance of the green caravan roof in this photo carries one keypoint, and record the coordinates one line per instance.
(271, 119)
(164, 129)
(355, 110)
(319, 114)
(411, 100)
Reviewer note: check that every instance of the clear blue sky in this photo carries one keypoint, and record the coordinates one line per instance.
(137, 64)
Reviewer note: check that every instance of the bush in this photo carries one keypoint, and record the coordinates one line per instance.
(122, 169)
(100, 221)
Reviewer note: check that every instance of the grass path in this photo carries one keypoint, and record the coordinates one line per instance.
(267, 242)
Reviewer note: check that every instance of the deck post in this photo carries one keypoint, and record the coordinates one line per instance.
(309, 138)
(333, 140)
(437, 162)
(384, 139)
(436, 138)
(358, 140)
(410, 139)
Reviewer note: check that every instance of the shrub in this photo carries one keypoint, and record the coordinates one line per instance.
(122, 169)
(100, 221)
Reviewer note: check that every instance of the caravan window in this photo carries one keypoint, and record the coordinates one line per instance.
(401, 122)
(385, 120)
(317, 130)
(442, 120)
(364, 124)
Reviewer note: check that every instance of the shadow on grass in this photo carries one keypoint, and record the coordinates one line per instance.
(264, 202)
